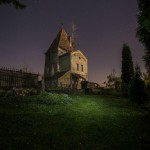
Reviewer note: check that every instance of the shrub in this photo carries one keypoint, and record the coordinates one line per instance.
(24, 91)
(110, 91)
(3, 93)
(137, 90)
(18, 92)
(53, 98)
(9, 93)
(148, 90)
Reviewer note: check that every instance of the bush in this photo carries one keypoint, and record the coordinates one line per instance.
(53, 98)
(3, 93)
(24, 91)
(148, 90)
(18, 92)
(137, 91)
(110, 91)
(124, 89)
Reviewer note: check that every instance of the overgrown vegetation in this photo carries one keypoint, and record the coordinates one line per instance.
(84, 122)
(143, 30)
(143, 34)
(137, 90)
(19, 92)
(53, 98)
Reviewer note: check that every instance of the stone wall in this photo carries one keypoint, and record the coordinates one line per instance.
(64, 81)
(79, 64)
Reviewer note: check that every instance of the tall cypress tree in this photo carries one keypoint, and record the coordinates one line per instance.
(143, 30)
(127, 69)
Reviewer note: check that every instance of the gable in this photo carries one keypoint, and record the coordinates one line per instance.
(79, 54)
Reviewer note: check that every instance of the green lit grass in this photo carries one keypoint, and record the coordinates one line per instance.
(85, 123)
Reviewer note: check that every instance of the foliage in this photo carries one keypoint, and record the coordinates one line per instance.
(113, 81)
(24, 92)
(137, 92)
(110, 91)
(146, 78)
(143, 30)
(42, 98)
(53, 98)
(127, 70)
(2, 93)
(16, 3)
(18, 92)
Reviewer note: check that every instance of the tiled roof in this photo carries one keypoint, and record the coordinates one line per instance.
(62, 41)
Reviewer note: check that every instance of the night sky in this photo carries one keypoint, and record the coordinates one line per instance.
(103, 27)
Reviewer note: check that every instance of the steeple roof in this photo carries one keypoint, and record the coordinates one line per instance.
(62, 40)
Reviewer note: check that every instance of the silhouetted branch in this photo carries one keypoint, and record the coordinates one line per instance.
(16, 3)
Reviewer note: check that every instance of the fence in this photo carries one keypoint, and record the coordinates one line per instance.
(10, 78)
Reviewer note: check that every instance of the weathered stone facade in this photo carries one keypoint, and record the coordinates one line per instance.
(65, 67)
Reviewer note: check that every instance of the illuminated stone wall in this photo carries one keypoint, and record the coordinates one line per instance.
(79, 64)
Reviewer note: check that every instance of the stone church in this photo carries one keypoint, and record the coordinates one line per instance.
(65, 66)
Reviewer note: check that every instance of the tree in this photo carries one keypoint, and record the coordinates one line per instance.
(127, 69)
(16, 3)
(143, 30)
(113, 81)
(146, 78)
(137, 91)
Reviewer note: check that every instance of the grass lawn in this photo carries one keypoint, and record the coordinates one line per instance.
(85, 123)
